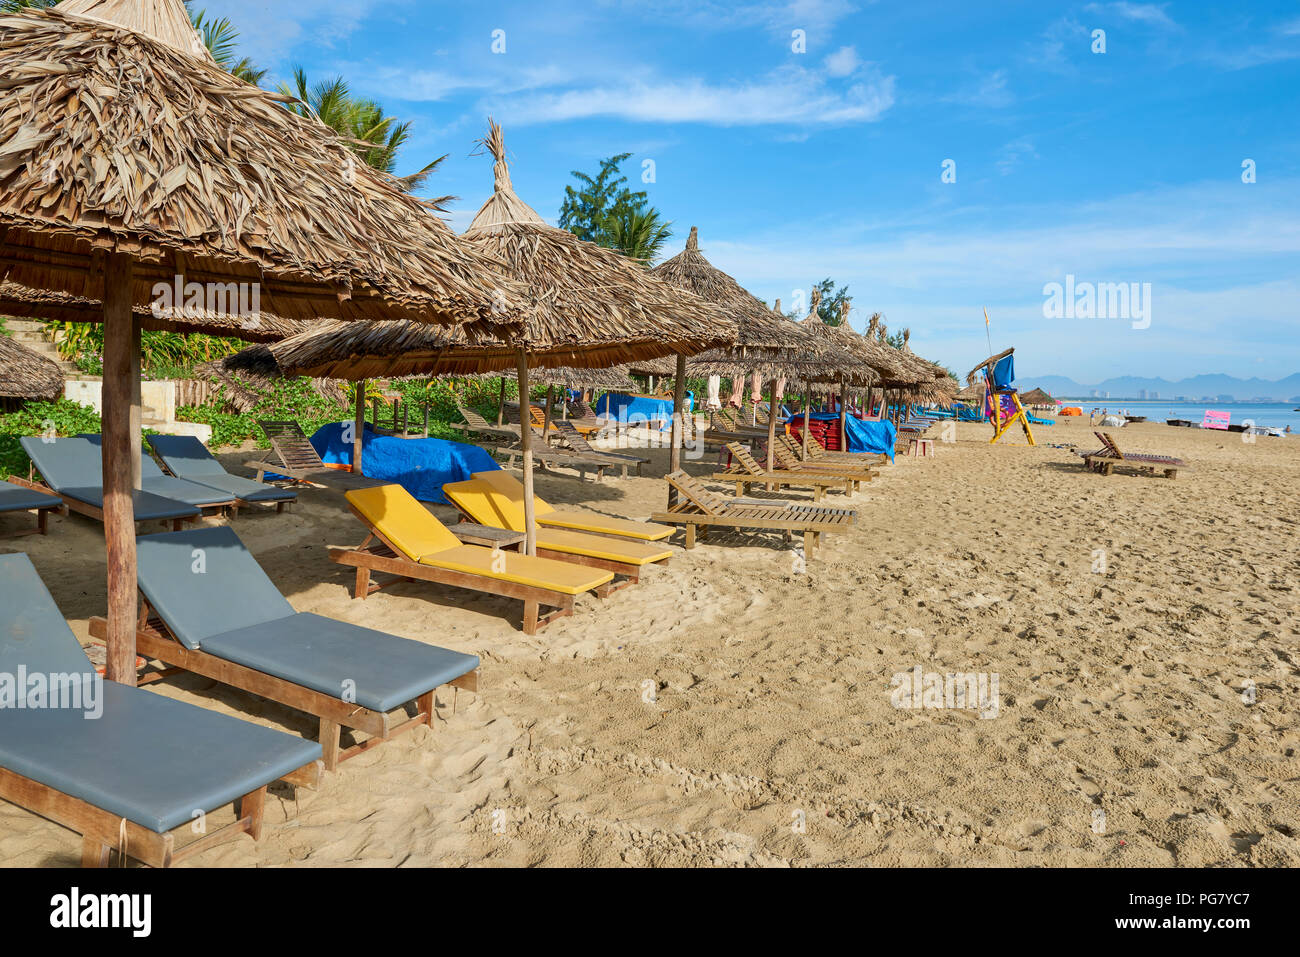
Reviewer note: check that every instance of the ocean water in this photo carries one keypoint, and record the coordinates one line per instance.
(1274, 415)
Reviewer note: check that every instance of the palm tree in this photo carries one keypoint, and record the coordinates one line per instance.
(638, 233)
(375, 137)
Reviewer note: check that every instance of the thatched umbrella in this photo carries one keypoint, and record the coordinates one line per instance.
(767, 341)
(1037, 397)
(25, 374)
(131, 164)
(592, 307)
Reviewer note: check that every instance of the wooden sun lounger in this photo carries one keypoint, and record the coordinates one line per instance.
(18, 496)
(487, 503)
(185, 457)
(786, 459)
(404, 538)
(699, 508)
(75, 467)
(476, 423)
(133, 778)
(1104, 460)
(271, 651)
(299, 460)
(746, 471)
(578, 442)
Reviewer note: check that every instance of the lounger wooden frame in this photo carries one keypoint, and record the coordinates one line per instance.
(788, 460)
(699, 508)
(748, 472)
(93, 512)
(301, 462)
(153, 639)
(238, 503)
(476, 423)
(42, 512)
(819, 453)
(103, 832)
(1104, 460)
(378, 554)
(577, 441)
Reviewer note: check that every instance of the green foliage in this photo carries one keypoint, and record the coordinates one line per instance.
(163, 355)
(602, 210)
(375, 137)
(829, 310)
(61, 418)
(289, 399)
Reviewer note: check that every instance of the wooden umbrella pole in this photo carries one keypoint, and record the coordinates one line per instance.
(136, 426)
(358, 426)
(119, 508)
(526, 450)
(501, 403)
(679, 410)
(844, 415)
(771, 429)
(807, 407)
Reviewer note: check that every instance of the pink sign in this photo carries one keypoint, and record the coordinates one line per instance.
(1216, 420)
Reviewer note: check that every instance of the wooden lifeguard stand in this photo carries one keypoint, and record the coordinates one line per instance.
(998, 373)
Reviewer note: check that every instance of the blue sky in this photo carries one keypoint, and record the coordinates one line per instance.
(1122, 166)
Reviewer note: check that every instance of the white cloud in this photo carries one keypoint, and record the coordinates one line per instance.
(1291, 28)
(268, 32)
(991, 91)
(1224, 291)
(1150, 14)
(843, 62)
(1015, 153)
(787, 96)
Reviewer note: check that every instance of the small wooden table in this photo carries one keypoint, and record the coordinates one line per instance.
(502, 538)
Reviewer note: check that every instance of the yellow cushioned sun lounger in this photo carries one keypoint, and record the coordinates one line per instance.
(482, 503)
(408, 541)
(510, 488)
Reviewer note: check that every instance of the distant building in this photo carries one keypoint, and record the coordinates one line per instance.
(1225, 398)
(1142, 393)
(1155, 395)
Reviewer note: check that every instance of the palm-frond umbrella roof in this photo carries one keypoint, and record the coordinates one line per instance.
(1036, 397)
(25, 374)
(65, 307)
(760, 328)
(118, 133)
(591, 308)
(586, 295)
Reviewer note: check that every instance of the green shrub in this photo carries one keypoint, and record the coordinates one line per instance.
(62, 418)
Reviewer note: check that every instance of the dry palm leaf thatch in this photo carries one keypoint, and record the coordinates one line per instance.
(585, 296)
(761, 330)
(19, 300)
(613, 379)
(252, 373)
(1036, 397)
(977, 374)
(118, 136)
(25, 374)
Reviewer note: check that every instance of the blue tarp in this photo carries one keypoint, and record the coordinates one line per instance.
(639, 408)
(863, 436)
(421, 466)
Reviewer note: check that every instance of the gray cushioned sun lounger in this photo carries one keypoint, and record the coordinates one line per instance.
(74, 469)
(153, 480)
(15, 498)
(149, 759)
(187, 458)
(217, 602)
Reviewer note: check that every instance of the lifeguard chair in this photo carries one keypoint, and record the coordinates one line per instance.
(1001, 399)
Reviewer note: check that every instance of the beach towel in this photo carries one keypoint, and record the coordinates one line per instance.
(421, 466)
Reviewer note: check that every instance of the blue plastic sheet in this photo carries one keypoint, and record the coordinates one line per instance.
(421, 466)
(639, 408)
(863, 436)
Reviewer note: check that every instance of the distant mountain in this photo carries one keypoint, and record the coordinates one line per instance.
(1219, 387)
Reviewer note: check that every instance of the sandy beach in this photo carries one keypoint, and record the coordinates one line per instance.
(735, 710)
